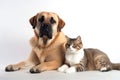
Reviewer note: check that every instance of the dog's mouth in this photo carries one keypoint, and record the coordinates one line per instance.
(45, 31)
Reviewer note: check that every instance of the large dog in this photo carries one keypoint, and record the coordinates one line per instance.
(47, 44)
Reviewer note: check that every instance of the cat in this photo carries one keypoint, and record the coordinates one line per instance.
(79, 59)
(74, 56)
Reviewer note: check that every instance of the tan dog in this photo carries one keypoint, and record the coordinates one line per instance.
(47, 44)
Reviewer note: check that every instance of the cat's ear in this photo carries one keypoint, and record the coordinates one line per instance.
(67, 37)
(79, 38)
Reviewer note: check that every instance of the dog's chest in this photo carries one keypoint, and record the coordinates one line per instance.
(44, 54)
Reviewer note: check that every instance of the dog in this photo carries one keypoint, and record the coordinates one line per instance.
(47, 44)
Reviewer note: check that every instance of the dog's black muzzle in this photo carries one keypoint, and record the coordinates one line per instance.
(45, 30)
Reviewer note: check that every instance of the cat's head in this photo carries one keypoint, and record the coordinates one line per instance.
(73, 44)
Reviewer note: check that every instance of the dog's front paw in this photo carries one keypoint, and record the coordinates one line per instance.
(11, 68)
(35, 70)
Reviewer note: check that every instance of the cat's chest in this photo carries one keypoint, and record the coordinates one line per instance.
(73, 58)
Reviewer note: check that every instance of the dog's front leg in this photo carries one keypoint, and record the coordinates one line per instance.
(51, 65)
(30, 62)
(15, 67)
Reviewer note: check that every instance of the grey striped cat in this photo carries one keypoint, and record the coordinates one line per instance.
(79, 59)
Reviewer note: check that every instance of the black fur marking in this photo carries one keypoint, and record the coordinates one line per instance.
(52, 21)
(46, 30)
(41, 19)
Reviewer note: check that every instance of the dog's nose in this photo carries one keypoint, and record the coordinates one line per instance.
(45, 25)
(46, 30)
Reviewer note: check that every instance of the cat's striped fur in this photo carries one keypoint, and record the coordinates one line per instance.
(79, 59)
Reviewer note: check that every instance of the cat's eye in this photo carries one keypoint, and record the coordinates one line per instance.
(73, 46)
(67, 45)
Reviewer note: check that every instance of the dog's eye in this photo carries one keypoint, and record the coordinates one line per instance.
(52, 20)
(41, 19)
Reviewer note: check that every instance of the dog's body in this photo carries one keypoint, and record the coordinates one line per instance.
(47, 44)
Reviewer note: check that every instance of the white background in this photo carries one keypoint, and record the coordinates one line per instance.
(96, 21)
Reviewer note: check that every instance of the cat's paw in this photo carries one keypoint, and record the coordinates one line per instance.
(70, 70)
(63, 68)
(104, 69)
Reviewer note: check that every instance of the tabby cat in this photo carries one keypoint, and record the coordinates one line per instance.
(79, 59)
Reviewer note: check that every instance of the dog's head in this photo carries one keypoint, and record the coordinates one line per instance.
(46, 24)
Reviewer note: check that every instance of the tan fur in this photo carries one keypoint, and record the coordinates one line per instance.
(47, 56)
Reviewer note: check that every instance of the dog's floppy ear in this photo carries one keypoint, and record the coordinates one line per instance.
(33, 21)
(61, 24)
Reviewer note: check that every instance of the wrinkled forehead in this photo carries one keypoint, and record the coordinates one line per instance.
(48, 15)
